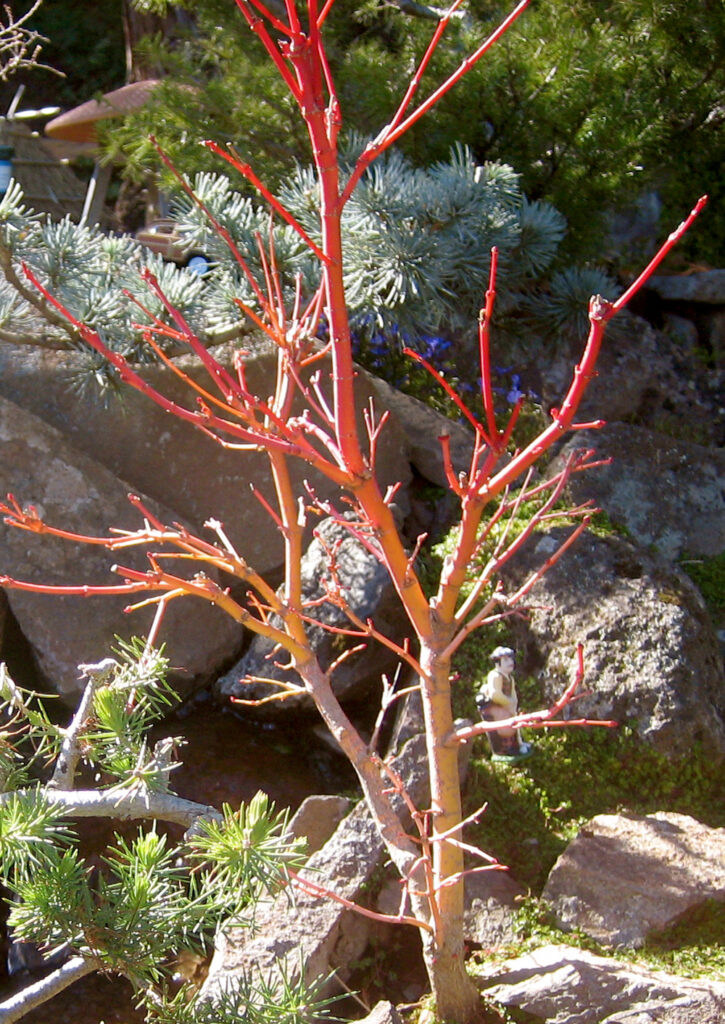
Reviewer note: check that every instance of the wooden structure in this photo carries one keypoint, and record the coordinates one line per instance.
(49, 186)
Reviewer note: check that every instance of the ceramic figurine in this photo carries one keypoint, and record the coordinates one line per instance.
(496, 701)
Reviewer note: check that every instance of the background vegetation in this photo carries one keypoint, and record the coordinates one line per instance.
(593, 102)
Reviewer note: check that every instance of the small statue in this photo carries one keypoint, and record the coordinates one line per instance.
(496, 701)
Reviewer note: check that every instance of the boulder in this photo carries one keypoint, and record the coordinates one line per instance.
(370, 594)
(645, 376)
(562, 985)
(4, 621)
(707, 286)
(382, 1013)
(422, 427)
(626, 877)
(633, 354)
(174, 463)
(651, 653)
(74, 492)
(669, 494)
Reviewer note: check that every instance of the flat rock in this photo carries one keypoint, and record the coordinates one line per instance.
(563, 985)
(668, 494)
(74, 492)
(626, 877)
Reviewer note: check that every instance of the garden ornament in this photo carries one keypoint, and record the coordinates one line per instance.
(497, 701)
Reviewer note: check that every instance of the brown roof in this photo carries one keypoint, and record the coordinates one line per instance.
(79, 124)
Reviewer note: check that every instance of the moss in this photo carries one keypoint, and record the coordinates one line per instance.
(709, 575)
(693, 946)
(602, 526)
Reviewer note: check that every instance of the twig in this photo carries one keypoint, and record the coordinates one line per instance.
(70, 751)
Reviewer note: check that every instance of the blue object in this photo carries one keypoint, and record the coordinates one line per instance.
(6, 167)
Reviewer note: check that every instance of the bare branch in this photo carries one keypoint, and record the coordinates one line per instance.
(127, 806)
(18, 1005)
(20, 46)
(70, 753)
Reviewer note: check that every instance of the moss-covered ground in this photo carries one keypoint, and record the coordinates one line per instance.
(536, 808)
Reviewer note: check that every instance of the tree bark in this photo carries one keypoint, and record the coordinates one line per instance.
(456, 996)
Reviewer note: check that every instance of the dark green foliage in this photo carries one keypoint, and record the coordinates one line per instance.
(592, 102)
(85, 43)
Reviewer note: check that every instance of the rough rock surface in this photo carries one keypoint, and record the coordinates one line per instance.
(320, 933)
(76, 493)
(491, 903)
(651, 654)
(667, 493)
(625, 877)
(563, 985)
(368, 591)
(382, 1013)
(644, 376)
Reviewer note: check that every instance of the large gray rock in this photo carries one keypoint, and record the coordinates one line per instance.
(169, 459)
(75, 493)
(667, 493)
(626, 877)
(173, 462)
(651, 654)
(562, 985)
(644, 376)
(316, 819)
(370, 594)
(382, 1013)
(423, 427)
(633, 355)
(492, 899)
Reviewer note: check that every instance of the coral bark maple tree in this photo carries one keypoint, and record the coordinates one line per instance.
(327, 437)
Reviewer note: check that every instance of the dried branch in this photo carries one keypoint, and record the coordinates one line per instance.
(20, 46)
(127, 805)
(70, 753)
